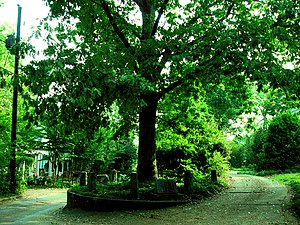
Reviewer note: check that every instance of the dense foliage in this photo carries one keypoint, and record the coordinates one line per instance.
(275, 147)
(4, 143)
(173, 73)
(6, 68)
(25, 134)
(249, 129)
(282, 146)
(188, 137)
(103, 54)
(6, 71)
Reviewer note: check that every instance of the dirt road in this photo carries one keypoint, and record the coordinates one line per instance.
(250, 200)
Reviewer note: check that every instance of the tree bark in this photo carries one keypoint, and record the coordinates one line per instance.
(147, 167)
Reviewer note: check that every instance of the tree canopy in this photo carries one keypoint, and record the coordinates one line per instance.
(134, 52)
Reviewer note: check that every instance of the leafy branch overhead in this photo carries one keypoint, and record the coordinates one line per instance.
(212, 35)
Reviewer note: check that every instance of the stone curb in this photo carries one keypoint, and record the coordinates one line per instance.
(88, 203)
(11, 198)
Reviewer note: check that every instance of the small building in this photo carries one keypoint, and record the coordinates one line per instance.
(47, 165)
(46, 162)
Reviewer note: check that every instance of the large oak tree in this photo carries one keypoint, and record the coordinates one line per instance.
(136, 51)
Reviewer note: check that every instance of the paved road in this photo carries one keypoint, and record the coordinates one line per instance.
(32, 206)
(250, 200)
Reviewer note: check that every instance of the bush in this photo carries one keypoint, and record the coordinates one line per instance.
(278, 146)
(219, 163)
(282, 147)
(188, 137)
(4, 159)
(4, 185)
(199, 152)
(256, 149)
(296, 199)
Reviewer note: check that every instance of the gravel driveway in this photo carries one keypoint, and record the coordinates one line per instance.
(250, 200)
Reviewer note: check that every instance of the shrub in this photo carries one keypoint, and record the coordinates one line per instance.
(188, 136)
(256, 149)
(4, 171)
(220, 163)
(278, 146)
(296, 199)
(282, 147)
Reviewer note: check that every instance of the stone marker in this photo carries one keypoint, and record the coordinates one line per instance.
(114, 175)
(188, 180)
(134, 186)
(214, 177)
(92, 181)
(166, 187)
(102, 178)
(75, 175)
(82, 181)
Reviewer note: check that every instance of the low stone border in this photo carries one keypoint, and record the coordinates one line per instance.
(75, 200)
(11, 198)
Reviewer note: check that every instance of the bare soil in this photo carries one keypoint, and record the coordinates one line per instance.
(249, 200)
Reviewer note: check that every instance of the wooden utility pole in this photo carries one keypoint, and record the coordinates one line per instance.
(12, 164)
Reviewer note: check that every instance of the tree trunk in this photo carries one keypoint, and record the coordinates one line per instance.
(147, 168)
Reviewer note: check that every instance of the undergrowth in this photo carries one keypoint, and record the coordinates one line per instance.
(147, 190)
(292, 180)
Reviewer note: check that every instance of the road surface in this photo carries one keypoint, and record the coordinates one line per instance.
(33, 206)
(250, 200)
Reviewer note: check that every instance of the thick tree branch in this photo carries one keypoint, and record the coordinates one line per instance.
(115, 26)
(135, 33)
(138, 2)
(170, 88)
(145, 2)
(228, 12)
(160, 12)
(132, 28)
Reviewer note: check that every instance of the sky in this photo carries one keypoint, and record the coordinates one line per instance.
(32, 11)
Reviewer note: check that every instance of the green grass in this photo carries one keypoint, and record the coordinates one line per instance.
(265, 172)
(287, 178)
(292, 180)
